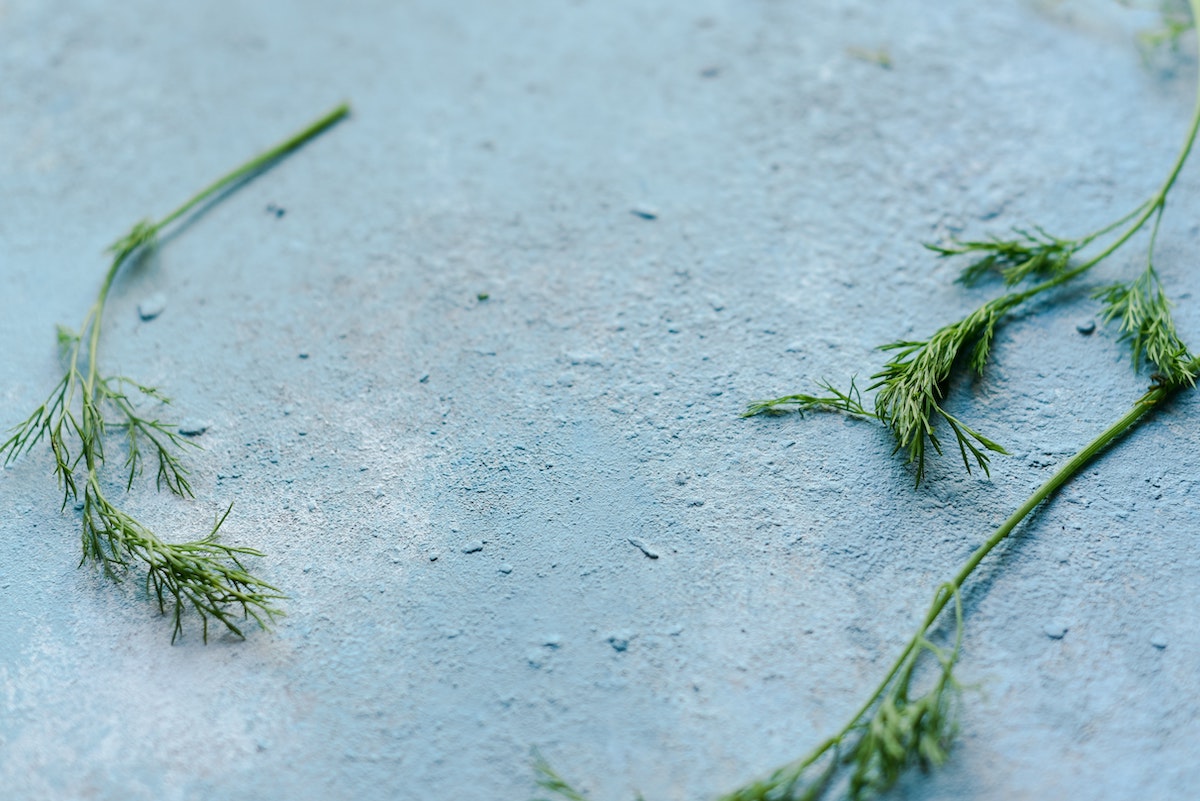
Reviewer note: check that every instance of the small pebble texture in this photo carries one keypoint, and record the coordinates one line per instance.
(469, 368)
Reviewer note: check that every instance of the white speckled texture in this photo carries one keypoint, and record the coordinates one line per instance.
(593, 398)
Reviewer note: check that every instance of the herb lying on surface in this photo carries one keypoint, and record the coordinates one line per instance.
(894, 729)
(913, 383)
(206, 574)
(890, 732)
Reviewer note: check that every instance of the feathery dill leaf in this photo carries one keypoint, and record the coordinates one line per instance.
(1144, 315)
(912, 385)
(1174, 22)
(203, 575)
(1035, 254)
(848, 402)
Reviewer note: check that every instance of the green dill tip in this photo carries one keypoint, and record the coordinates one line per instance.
(1143, 313)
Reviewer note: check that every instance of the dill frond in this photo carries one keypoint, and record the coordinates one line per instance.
(204, 575)
(913, 382)
(1035, 254)
(835, 400)
(904, 731)
(1174, 22)
(1144, 316)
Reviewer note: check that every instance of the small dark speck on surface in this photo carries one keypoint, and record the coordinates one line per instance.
(474, 546)
(619, 642)
(192, 428)
(278, 211)
(645, 212)
(710, 72)
(303, 355)
(1086, 328)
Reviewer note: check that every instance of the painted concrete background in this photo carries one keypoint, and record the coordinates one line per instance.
(367, 412)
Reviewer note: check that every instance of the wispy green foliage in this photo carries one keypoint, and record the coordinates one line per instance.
(893, 731)
(834, 400)
(203, 575)
(896, 729)
(912, 385)
(1034, 254)
(1143, 313)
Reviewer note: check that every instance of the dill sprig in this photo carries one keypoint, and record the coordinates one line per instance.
(1144, 315)
(204, 575)
(835, 400)
(896, 728)
(1027, 255)
(912, 385)
(892, 732)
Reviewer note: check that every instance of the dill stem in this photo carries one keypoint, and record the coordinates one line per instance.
(259, 163)
(1156, 395)
(1155, 204)
(145, 234)
(254, 166)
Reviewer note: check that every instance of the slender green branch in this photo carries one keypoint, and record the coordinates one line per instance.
(203, 575)
(912, 385)
(792, 782)
(893, 730)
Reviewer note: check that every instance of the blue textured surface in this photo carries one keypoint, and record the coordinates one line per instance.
(500, 148)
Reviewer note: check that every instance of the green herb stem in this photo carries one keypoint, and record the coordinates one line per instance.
(204, 574)
(1155, 204)
(260, 162)
(788, 776)
(147, 232)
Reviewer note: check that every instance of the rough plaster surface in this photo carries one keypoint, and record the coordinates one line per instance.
(500, 148)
